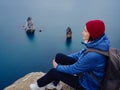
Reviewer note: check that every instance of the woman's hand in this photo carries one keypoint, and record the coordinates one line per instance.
(54, 63)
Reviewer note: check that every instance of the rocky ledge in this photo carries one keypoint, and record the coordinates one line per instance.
(24, 82)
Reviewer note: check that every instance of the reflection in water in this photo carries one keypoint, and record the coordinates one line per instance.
(30, 36)
(68, 42)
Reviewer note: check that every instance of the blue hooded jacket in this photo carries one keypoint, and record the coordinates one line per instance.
(86, 62)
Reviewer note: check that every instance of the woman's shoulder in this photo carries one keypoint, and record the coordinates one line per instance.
(95, 56)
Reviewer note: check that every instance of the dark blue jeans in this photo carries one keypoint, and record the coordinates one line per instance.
(55, 76)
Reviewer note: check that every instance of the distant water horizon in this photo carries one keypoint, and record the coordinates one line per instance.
(21, 54)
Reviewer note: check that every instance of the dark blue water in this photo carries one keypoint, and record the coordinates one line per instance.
(21, 54)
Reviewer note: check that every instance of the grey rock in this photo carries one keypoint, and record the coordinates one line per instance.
(24, 82)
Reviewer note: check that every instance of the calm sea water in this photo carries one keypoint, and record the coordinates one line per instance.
(21, 54)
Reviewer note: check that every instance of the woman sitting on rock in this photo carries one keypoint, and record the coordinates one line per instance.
(74, 69)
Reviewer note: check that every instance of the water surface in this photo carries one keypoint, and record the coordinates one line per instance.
(21, 54)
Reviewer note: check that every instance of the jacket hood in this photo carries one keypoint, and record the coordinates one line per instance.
(101, 43)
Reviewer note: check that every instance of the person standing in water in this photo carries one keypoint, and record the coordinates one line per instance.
(74, 69)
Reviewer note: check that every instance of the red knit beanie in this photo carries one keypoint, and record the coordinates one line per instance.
(96, 28)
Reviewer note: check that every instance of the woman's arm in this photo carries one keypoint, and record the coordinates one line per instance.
(86, 63)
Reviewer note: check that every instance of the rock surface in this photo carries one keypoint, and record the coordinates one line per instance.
(24, 82)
